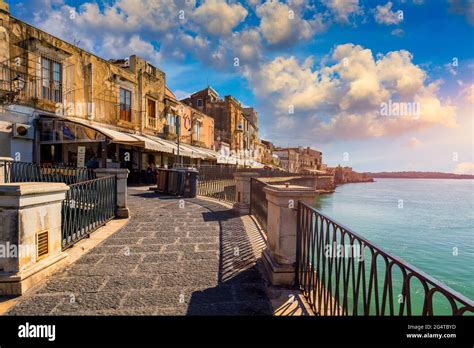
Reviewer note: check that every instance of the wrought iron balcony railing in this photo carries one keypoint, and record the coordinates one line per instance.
(151, 122)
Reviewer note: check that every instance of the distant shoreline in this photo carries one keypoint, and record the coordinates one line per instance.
(419, 175)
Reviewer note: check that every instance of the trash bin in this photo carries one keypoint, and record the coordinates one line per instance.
(172, 181)
(162, 180)
(180, 182)
(191, 181)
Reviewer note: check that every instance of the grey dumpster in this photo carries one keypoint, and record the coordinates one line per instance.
(191, 181)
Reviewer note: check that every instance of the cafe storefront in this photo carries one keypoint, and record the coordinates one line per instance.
(76, 144)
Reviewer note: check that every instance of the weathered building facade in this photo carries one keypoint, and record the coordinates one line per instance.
(76, 108)
(265, 152)
(236, 127)
(299, 159)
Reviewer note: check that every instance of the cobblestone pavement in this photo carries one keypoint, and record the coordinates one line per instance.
(174, 257)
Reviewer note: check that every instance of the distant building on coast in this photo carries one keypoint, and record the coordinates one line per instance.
(343, 175)
(299, 159)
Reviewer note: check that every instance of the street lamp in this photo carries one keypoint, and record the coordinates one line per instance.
(178, 130)
(18, 83)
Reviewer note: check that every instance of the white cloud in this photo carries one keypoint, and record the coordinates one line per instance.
(465, 168)
(343, 100)
(343, 9)
(463, 7)
(450, 68)
(413, 142)
(218, 17)
(119, 47)
(283, 24)
(397, 32)
(384, 14)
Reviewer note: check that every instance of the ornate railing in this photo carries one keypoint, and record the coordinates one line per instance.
(88, 205)
(258, 202)
(217, 182)
(30, 172)
(342, 273)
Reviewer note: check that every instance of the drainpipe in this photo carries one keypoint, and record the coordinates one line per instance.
(140, 104)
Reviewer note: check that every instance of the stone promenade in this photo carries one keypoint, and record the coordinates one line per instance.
(174, 257)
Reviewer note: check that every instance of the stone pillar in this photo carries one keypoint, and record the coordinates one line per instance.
(242, 191)
(2, 168)
(30, 234)
(122, 175)
(280, 256)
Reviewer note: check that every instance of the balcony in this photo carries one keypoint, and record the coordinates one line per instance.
(22, 82)
(151, 122)
(198, 143)
(169, 132)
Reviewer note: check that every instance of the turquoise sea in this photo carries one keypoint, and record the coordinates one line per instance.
(433, 230)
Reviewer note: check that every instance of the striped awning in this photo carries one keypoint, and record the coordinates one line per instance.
(148, 142)
(153, 145)
(115, 136)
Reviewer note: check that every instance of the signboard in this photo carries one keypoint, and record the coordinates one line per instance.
(81, 156)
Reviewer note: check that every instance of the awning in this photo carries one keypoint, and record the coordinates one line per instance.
(113, 135)
(211, 154)
(149, 142)
(194, 151)
(169, 146)
(153, 145)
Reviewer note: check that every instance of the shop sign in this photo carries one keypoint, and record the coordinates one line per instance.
(81, 156)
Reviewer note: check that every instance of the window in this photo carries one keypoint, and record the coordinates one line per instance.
(150, 69)
(51, 80)
(199, 102)
(198, 131)
(125, 105)
(151, 108)
(172, 123)
(151, 113)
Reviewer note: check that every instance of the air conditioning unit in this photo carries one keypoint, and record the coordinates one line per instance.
(23, 131)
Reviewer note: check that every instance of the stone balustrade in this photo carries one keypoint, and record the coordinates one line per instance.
(30, 233)
(242, 191)
(122, 174)
(280, 255)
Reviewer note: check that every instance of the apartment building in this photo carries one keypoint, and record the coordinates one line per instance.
(62, 104)
(236, 127)
(299, 159)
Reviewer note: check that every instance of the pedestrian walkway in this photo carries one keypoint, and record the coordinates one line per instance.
(174, 257)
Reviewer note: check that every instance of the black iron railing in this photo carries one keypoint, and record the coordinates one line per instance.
(30, 172)
(88, 205)
(342, 273)
(258, 202)
(217, 182)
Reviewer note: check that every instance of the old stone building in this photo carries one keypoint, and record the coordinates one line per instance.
(58, 100)
(236, 127)
(190, 126)
(299, 159)
(265, 153)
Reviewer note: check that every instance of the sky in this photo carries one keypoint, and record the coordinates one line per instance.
(376, 85)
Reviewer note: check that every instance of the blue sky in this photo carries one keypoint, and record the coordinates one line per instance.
(335, 63)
